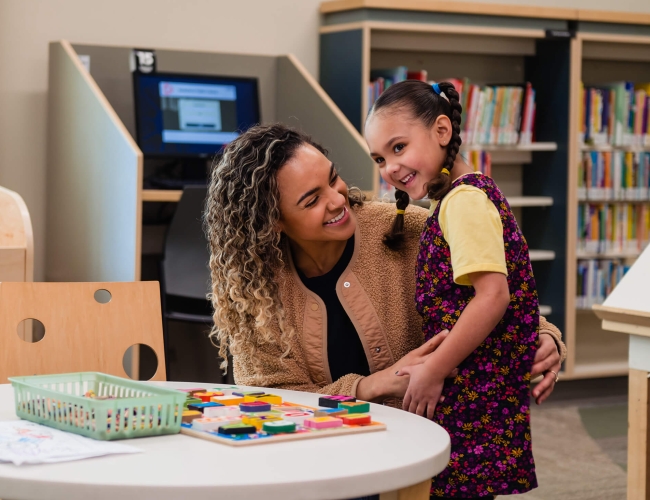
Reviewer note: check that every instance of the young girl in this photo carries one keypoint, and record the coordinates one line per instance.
(474, 278)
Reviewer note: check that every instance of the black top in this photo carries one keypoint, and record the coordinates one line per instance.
(345, 352)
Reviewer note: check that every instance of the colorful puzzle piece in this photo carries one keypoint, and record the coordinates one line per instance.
(230, 429)
(323, 422)
(330, 412)
(255, 406)
(356, 419)
(356, 407)
(189, 416)
(206, 396)
(228, 400)
(266, 398)
(191, 401)
(243, 394)
(210, 424)
(297, 417)
(279, 427)
(202, 406)
(333, 401)
(221, 411)
(258, 421)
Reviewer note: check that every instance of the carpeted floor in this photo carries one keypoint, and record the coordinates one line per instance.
(580, 442)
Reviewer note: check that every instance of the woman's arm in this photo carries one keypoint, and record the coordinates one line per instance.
(267, 368)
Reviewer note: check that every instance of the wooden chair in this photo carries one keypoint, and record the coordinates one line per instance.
(16, 238)
(81, 333)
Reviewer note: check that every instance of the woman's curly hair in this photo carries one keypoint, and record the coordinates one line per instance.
(241, 219)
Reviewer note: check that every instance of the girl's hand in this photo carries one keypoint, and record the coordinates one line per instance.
(547, 361)
(423, 391)
(417, 356)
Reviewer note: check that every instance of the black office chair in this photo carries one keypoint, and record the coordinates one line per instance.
(185, 272)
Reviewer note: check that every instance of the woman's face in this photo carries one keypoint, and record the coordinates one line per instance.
(314, 203)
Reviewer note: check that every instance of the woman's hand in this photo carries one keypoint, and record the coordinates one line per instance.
(424, 390)
(547, 361)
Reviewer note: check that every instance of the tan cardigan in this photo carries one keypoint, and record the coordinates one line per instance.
(377, 291)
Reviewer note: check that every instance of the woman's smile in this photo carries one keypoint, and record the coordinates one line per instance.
(340, 219)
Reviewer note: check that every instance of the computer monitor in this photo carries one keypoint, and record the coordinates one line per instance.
(191, 115)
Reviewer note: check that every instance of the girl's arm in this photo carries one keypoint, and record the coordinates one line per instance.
(476, 322)
(384, 384)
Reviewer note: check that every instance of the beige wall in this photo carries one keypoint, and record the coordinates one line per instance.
(250, 26)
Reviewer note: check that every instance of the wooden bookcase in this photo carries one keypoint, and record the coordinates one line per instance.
(602, 53)
(492, 44)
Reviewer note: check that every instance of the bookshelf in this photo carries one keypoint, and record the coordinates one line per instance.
(603, 54)
(498, 45)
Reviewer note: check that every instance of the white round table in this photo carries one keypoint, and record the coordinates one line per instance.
(410, 452)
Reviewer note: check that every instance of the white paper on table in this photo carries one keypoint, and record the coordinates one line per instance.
(23, 442)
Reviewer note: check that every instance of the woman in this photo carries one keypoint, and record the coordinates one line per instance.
(306, 294)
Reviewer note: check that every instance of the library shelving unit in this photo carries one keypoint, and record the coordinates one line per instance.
(602, 53)
(96, 196)
(553, 48)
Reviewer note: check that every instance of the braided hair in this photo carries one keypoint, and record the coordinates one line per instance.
(426, 103)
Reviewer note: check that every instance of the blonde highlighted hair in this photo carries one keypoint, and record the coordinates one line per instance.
(241, 217)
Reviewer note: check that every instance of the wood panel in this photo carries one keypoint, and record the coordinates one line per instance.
(638, 453)
(455, 7)
(12, 264)
(16, 238)
(94, 179)
(81, 334)
(449, 43)
(575, 77)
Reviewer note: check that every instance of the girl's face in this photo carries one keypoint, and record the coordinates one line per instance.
(314, 203)
(409, 155)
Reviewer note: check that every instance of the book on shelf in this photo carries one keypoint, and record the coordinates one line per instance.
(615, 175)
(596, 279)
(480, 161)
(615, 114)
(620, 229)
(495, 115)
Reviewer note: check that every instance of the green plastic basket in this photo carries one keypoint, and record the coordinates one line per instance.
(137, 410)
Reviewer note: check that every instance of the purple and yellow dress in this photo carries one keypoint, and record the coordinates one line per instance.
(486, 408)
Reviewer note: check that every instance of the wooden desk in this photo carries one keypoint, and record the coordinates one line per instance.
(400, 460)
(627, 310)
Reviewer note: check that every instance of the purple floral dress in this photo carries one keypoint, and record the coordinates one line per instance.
(486, 409)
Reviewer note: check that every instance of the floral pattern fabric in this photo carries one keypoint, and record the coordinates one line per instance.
(486, 408)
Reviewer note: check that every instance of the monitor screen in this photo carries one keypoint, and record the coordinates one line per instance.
(189, 115)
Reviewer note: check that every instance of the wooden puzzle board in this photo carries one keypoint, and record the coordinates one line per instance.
(258, 438)
(262, 437)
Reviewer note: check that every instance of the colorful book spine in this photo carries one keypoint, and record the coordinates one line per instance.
(613, 229)
(596, 279)
(480, 161)
(614, 176)
(499, 115)
(615, 114)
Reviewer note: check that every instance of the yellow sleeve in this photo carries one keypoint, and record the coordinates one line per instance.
(472, 226)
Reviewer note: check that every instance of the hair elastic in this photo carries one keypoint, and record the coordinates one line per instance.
(400, 211)
(436, 89)
(445, 171)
